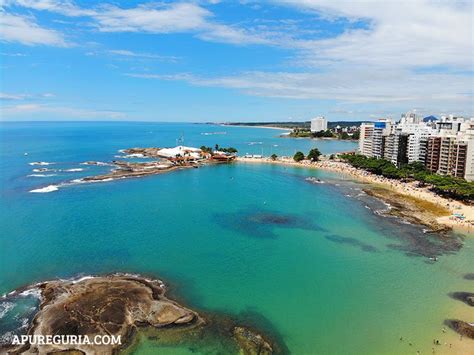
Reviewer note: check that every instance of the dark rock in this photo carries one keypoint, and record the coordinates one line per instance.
(250, 342)
(461, 327)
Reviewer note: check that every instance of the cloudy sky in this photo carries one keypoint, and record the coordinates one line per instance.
(234, 60)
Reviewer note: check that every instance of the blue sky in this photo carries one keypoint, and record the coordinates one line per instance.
(234, 60)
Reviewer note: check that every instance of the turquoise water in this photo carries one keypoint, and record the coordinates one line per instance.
(308, 262)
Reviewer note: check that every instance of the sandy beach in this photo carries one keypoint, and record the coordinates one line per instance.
(410, 190)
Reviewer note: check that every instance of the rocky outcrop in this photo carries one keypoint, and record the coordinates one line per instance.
(119, 305)
(106, 306)
(461, 327)
(251, 343)
(146, 152)
(128, 170)
(466, 297)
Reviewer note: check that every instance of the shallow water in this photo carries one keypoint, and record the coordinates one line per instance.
(305, 262)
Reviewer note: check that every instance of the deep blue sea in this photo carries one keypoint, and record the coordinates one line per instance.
(310, 263)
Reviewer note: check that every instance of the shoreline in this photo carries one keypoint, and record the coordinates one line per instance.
(412, 194)
(248, 126)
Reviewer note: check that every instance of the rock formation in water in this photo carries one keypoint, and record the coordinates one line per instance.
(115, 306)
(461, 327)
(111, 305)
(251, 343)
(466, 297)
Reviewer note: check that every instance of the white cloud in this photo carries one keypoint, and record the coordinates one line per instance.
(5, 96)
(30, 109)
(173, 18)
(415, 33)
(370, 86)
(15, 28)
(8, 96)
(64, 7)
(127, 53)
(13, 54)
(179, 17)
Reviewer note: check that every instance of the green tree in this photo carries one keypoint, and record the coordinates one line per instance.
(299, 156)
(314, 154)
(274, 157)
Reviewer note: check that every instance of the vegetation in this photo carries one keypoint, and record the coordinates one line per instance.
(230, 150)
(299, 156)
(306, 133)
(301, 133)
(314, 154)
(274, 157)
(323, 134)
(447, 186)
(206, 149)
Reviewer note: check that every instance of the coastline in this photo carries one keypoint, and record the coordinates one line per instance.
(248, 126)
(437, 210)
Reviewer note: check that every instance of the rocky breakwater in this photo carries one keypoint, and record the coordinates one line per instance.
(128, 169)
(150, 152)
(114, 307)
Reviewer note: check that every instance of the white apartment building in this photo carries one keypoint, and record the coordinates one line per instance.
(319, 124)
(382, 128)
(445, 146)
(365, 139)
(418, 134)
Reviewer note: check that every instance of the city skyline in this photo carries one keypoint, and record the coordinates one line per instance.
(199, 61)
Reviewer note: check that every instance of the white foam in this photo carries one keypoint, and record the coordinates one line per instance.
(34, 291)
(100, 163)
(42, 170)
(46, 189)
(41, 175)
(40, 163)
(73, 170)
(5, 307)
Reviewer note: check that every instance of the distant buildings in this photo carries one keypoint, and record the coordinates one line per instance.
(319, 124)
(444, 146)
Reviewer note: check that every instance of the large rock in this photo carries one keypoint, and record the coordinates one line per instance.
(111, 305)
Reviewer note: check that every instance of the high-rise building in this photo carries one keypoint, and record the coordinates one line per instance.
(365, 139)
(432, 154)
(382, 129)
(444, 146)
(319, 124)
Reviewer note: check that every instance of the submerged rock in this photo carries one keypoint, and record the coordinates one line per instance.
(250, 342)
(461, 327)
(466, 297)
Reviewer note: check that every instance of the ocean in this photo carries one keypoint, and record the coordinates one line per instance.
(312, 265)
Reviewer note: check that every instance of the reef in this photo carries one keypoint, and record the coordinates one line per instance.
(251, 343)
(410, 209)
(117, 305)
